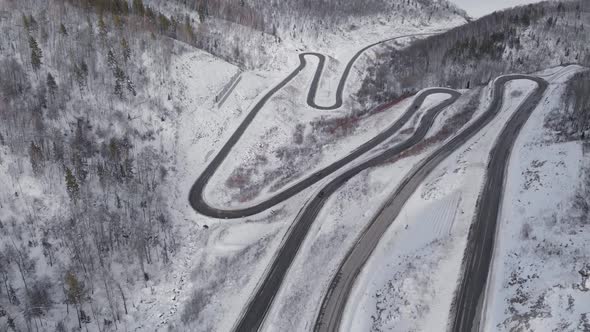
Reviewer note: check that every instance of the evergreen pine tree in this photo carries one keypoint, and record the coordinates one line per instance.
(32, 23)
(51, 85)
(102, 28)
(125, 49)
(36, 158)
(189, 29)
(36, 53)
(118, 20)
(202, 10)
(112, 61)
(119, 80)
(26, 22)
(138, 7)
(164, 23)
(131, 87)
(76, 294)
(62, 30)
(72, 185)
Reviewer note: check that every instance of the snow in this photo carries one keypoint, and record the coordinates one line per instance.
(534, 280)
(481, 8)
(405, 284)
(207, 266)
(336, 228)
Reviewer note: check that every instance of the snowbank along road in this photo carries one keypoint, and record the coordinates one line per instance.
(483, 233)
(196, 198)
(481, 238)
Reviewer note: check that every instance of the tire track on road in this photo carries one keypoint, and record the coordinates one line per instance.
(334, 301)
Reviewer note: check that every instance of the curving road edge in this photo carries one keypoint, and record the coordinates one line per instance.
(334, 302)
(481, 238)
(257, 308)
(196, 195)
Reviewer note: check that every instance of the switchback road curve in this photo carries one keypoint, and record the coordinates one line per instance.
(259, 304)
(196, 195)
(334, 302)
(480, 241)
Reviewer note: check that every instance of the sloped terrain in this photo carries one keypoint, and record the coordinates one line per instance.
(150, 185)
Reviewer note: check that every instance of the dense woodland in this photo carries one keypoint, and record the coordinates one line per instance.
(523, 40)
(86, 112)
(83, 210)
(247, 32)
(279, 16)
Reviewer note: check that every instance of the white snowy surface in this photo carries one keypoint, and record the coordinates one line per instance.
(534, 283)
(406, 285)
(223, 265)
(336, 227)
(276, 125)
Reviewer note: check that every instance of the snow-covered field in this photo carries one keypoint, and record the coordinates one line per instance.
(289, 139)
(542, 239)
(212, 267)
(245, 245)
(405, 284)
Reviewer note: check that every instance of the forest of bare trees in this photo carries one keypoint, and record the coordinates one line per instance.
(97, 221)
(524, 39)
(268, 16)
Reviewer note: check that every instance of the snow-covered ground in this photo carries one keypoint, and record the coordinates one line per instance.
(542, 242)
(217, 269)
(289, 140)
(338, 225)
(405, 284)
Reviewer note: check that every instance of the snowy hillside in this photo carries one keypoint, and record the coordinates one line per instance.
(312, 115)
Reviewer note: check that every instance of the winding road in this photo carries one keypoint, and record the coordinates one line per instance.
(196, 197)
(260, 303)
(478, 258)
(482, 239)
(480, 245)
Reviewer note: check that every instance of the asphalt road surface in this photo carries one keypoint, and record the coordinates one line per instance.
(259, 304)
(480, 244)
(196, 197)
(334, 302)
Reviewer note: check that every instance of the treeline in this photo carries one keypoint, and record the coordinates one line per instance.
(572, 121)
(139, 15)
(523, 39)
(268, 16)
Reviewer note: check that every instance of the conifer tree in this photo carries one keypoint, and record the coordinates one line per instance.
(81, 74)
(125, 49)
(75, 293)
(138, 7)
(51, 85)
(36, 53)
(112, 61)
(33, 23)
(72, 185)
(164, 23)
(119, 80)
(131, 87)
(36, 157)
(102, 28)
(62, 30)
(26, 22)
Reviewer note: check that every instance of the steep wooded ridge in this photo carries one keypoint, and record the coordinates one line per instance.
(248, 32)
(523, 39)
(92, 229)
(270, 16)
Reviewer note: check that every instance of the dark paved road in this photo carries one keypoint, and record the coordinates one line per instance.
(335, 300)
(259, 304)
(480, 244)
(196, 198)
